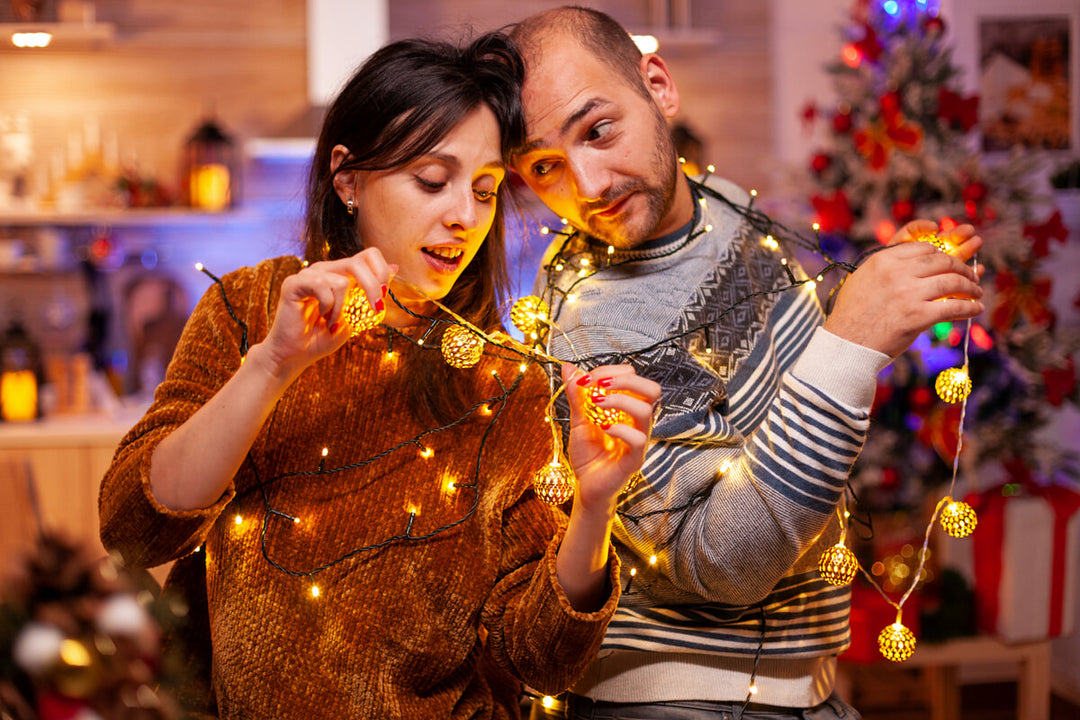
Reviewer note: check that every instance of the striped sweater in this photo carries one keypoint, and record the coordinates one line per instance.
(763, 414)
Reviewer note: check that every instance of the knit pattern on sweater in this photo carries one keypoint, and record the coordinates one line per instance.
(399, 627)
(749, 458)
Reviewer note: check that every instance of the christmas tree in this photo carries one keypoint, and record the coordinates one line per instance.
(899, 143)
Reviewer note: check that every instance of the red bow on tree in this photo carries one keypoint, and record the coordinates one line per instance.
(877, 141)
(869, 47)
(1041, 234)
(1060, 382)
(958, 111)
(832, 212)
(1017, 296)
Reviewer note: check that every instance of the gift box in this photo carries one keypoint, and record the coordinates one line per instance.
(1027, 554)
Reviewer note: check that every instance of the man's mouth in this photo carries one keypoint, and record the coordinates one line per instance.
(612, 210)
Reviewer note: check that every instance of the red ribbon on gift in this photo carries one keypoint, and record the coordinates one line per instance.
(989, 551)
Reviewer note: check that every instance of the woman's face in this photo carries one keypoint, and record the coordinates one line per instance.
(430, 217)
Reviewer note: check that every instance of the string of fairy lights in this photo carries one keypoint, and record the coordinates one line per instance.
(838, 565)
(463, 345)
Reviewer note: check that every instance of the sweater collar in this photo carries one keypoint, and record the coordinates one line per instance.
(656, 247)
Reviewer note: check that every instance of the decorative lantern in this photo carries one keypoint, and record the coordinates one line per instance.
(953, 384)
(838, 565)
(529, 315)
(358, 311)
(896, 642)
(958, 518)
(554, 483)
(461, 347)
(20, 371)
(210, 175)
(601, 415)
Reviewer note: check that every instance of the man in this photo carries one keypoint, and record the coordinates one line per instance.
(764, 410)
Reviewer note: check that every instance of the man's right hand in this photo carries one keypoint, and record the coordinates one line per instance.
(907, 288)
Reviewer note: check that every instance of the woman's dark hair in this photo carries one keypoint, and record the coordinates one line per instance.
(396, 107)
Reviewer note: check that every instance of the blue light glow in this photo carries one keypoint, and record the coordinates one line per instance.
(891, 6)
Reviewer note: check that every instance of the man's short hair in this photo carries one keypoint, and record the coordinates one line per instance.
(593, 30)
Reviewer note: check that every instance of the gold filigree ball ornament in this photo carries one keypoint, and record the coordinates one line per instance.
(958, 518)
(529, 315)
(838, 565)
(554, 483)
(600, 415)
(461, 347)
(953, 384)
(896, 642)
(937, 241)
(358, 311)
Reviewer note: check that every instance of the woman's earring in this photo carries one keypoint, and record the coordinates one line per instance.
(349, 207)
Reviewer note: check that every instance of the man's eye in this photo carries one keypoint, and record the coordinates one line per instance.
(542, 168)
(599, 131)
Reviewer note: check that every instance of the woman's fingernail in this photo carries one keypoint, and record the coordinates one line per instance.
(584, 380)
(333, 328)
(599, 398)
(379, 305)
(384, 290)
(605, 426)
(606, 382)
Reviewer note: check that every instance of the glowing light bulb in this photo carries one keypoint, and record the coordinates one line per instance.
(752, 689)
(584, 262)
(199, 267)
(314, 591)
(958, 518)
(239, 520)
(816, 226)
(953, 384)
(811, 284)
(528, 314)
(652, 559)
(554, 483)
(753, 193)
(325, 452)
(633, 572)
(896, 642)
(708, 228)
(710, 168)
(548, 701)
(523, 367)
(426, 452)
(545, 230)
(838, 565)
(559, 266)
(610, 249)
(461, 347)
(770, 242)
(572, 297)
(451, 486)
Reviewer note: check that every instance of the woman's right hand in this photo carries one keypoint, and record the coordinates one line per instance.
(309, 323)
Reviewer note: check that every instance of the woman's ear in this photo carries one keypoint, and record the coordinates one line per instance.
(345, 181)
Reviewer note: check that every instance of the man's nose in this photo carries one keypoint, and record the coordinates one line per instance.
(591, 179)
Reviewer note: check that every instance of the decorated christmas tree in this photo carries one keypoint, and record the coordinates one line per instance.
(899, 143)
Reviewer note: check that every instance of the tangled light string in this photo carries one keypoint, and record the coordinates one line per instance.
(838, 564)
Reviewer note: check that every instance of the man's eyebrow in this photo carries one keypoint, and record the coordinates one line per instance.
(569, 122)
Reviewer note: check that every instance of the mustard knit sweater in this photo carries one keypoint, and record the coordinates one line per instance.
(421, 583)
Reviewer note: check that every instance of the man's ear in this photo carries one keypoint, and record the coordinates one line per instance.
(660, 84)
(345, 181)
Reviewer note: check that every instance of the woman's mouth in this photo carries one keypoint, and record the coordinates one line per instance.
(444, 258)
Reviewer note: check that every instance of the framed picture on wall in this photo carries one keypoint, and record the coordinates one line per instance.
(1028, 70)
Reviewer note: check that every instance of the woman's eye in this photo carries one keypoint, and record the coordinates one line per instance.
(483, 195)
(429, 185)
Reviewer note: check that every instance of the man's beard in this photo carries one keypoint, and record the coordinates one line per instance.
(658, 197)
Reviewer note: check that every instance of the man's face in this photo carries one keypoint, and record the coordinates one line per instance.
(599, 152)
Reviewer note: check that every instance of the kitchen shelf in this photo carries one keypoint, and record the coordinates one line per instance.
(136, 217)
(65, 36)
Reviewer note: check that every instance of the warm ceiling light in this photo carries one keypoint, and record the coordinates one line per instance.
(30, 39)
(646, 43)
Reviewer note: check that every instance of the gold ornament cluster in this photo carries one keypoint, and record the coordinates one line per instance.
(461, 347)
(359, 313)
(838, 565)
(958, 518)
(953, 385)
(554, 483)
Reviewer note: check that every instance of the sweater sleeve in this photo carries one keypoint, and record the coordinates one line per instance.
(728, 514)
(533, 630)
(132, 521)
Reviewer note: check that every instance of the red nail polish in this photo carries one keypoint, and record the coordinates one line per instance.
(584, 380)
(333, 328)
(605, 426)
(598, 398)
(606, 382)
(379, 305)
(384, 290)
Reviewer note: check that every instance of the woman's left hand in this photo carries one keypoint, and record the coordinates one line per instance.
(604, 458)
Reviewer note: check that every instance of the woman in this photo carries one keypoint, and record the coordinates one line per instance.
(358, 514)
